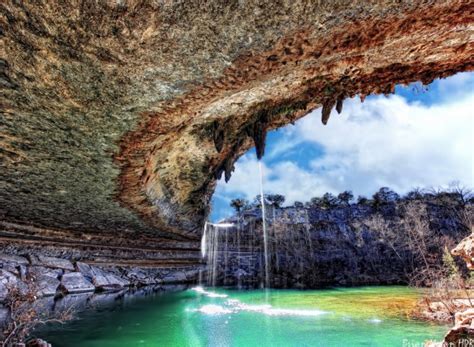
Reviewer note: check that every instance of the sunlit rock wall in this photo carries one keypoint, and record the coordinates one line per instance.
(345, 245)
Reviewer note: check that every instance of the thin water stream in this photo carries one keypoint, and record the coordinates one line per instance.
(264, 227)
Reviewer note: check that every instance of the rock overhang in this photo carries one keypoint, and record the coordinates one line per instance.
(119, 117)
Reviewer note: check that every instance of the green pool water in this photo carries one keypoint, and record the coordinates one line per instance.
(367, 316)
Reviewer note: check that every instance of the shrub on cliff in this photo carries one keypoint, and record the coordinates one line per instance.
(383, 197)
(239, 204)
(345, 197)
(275, 200)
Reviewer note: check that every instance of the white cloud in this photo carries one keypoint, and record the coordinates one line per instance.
(381, 142)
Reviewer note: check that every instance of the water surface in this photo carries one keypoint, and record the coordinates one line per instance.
(366, 316)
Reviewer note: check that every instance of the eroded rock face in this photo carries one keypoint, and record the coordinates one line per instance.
(465, 249)
(119, 116)
(342, 245)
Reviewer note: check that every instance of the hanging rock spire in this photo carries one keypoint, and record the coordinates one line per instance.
(259, 137)
(339, 103)
(219, 136)
(326, 112)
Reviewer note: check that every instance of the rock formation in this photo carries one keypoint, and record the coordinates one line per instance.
(465, 249)
(57, 277)
(347, 244)
(118, 116)
(462, 333)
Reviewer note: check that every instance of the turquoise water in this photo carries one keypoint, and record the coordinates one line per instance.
(367, 316)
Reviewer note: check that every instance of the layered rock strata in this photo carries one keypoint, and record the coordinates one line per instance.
(117, 117)
(311, 247)
(50, 276)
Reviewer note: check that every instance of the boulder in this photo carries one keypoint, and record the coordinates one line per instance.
(175, 277)
(75, 282)
(108, 282)
(52, 262)
(12, 268)
(47, 285)
(41, 271)
(462, 334)
(101, 279)
(139, 276)
(7, 279)
(87, 270)
(16, 259)
(465, 249)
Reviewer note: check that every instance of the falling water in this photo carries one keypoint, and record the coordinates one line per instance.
(310, 244)
(215, 252)
(264, 227)
(210, 249)
(203, 241)
(239, 265)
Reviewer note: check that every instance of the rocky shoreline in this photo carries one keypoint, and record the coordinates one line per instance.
(58, 276)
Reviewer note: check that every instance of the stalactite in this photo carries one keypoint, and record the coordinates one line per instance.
(218, 173)
(228, 168)
(339, 103)
(219, 136)
(326, 112)
(259, 137)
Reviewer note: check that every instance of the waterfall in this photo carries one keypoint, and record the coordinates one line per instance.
(210, 250)
(215, 252)
(239, 254)
(311, 257)
(264, 227)
(203, 241)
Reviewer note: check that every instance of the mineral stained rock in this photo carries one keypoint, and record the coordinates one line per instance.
(117, 116)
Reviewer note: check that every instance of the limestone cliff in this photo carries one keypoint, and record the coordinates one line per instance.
(118, 116)
(347, 244)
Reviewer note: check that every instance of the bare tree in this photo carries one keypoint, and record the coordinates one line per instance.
(25, 315)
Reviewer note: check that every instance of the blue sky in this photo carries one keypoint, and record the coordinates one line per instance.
(418, 137)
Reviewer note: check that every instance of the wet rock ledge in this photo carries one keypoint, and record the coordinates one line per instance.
(58, 276)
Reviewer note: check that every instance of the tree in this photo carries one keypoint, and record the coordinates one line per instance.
(345, 197)
(257, 201)
(238, 204)
(315, 202)
(415, 194)
(276, 200)
(298, 204)
(328, 200)
(450, 265)
(464, 194)
(25, 315)
(384, 196)
(362, 200)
